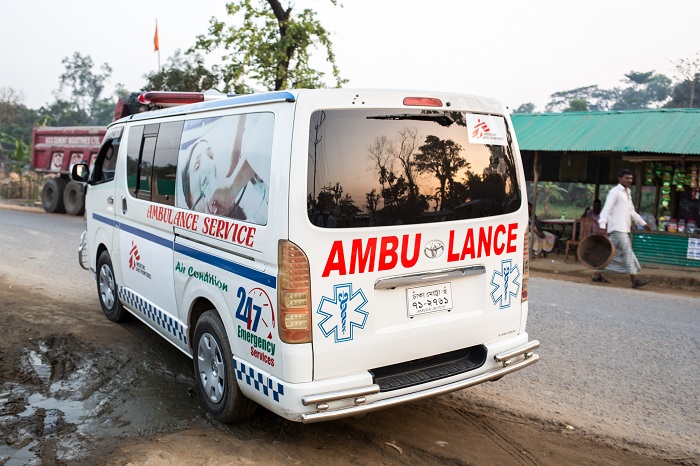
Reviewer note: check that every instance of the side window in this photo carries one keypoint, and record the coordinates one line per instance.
(106, 161)
(133, 155)
(148, 150)
(152, 154)
(224, 166)
(165, 163)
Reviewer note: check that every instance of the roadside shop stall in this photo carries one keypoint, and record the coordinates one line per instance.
(662, 148)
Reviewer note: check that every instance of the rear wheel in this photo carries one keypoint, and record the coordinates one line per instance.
(213, 368)
(52, 195)
(74, 199)
(107, 290)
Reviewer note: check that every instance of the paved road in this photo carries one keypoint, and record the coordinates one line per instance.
(618, 362)
(621, 362)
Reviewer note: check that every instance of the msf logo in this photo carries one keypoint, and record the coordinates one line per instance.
(134, 256)
(479, 129)
(505, 284)
(343, 313)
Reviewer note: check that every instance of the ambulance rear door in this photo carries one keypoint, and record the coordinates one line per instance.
(412, 216)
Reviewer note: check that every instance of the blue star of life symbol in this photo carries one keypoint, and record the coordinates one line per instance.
(343, 313)
(506, 286)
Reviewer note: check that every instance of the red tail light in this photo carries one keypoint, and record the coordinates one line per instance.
(422, 101)
(294, 294)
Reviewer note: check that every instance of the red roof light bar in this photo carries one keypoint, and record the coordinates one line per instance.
(171, 98)
(422, 101)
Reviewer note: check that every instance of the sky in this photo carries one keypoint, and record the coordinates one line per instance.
(516, 51)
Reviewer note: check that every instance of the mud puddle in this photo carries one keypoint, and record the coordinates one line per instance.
(67, 395)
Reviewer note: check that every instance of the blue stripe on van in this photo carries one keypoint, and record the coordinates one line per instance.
(223, 264)
(109, 221)
(238, 269)
(146, 235)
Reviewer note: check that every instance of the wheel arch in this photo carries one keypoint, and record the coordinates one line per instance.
(198, 307)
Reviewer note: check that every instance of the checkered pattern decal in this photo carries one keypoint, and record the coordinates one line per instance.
(258, 381)
(153, 313)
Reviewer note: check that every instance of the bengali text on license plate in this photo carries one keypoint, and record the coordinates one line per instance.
(431, 298)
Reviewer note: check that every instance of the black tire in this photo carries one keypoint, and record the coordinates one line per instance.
(74, 198)
(107, 290)
(213, 369)
(52, 195)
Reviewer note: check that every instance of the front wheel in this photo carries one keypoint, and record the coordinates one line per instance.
(213, 368)
(107, 290)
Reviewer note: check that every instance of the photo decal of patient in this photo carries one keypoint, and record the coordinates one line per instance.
(224, 165)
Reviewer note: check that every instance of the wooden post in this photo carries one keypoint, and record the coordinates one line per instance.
(596, 195)
(535, 180)
(638, 186)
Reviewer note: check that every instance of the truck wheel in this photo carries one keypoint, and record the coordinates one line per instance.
(107, 290)
(52, 195)
(74, 198)
(213, 368)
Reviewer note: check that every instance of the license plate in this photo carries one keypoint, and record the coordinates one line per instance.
(431, 298)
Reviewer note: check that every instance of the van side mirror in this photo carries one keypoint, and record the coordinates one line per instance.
(80, 172)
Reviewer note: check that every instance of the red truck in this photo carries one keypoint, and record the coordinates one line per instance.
(54, 151)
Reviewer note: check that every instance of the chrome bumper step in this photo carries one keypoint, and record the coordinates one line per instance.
(512, 360)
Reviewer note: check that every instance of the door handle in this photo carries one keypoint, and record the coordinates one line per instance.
(110, 200)
(123, 205)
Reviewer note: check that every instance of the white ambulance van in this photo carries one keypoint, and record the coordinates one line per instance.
(322, 253)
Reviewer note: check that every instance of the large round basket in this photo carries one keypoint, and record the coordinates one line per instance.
(596, 251)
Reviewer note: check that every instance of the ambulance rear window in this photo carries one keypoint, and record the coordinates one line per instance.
(387, 167)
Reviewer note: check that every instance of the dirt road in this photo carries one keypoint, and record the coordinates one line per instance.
(78, 389)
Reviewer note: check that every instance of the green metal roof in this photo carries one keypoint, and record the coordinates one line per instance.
(664, 131)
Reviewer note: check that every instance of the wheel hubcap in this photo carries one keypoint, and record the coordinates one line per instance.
(107, 286)
(212, 373)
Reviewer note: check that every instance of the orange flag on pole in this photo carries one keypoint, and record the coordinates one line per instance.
(155, 39)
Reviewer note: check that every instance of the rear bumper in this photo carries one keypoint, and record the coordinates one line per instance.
(509, 361)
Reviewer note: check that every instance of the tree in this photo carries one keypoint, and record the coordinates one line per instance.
(528, 107)
(372, 204)
(689, 73)
(596, 98)
(577, 105)
(16, 120)
(17, 159)
(550, 191)
(645, 90)
(183, 73)
(271, 47)
(440, 157)
(85, 88)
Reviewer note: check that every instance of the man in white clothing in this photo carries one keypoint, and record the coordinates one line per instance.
(615, 218)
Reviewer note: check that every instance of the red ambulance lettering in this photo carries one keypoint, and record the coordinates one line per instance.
(499, 246)
(336, 260)
(240, 238)
(161, 214)
(364, 254)
(357, 257)
(250, 239)
(488, 241)
(186, 220)
(232, 231)
(388, 257)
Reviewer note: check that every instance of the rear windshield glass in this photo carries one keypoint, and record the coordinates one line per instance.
(381, 167)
